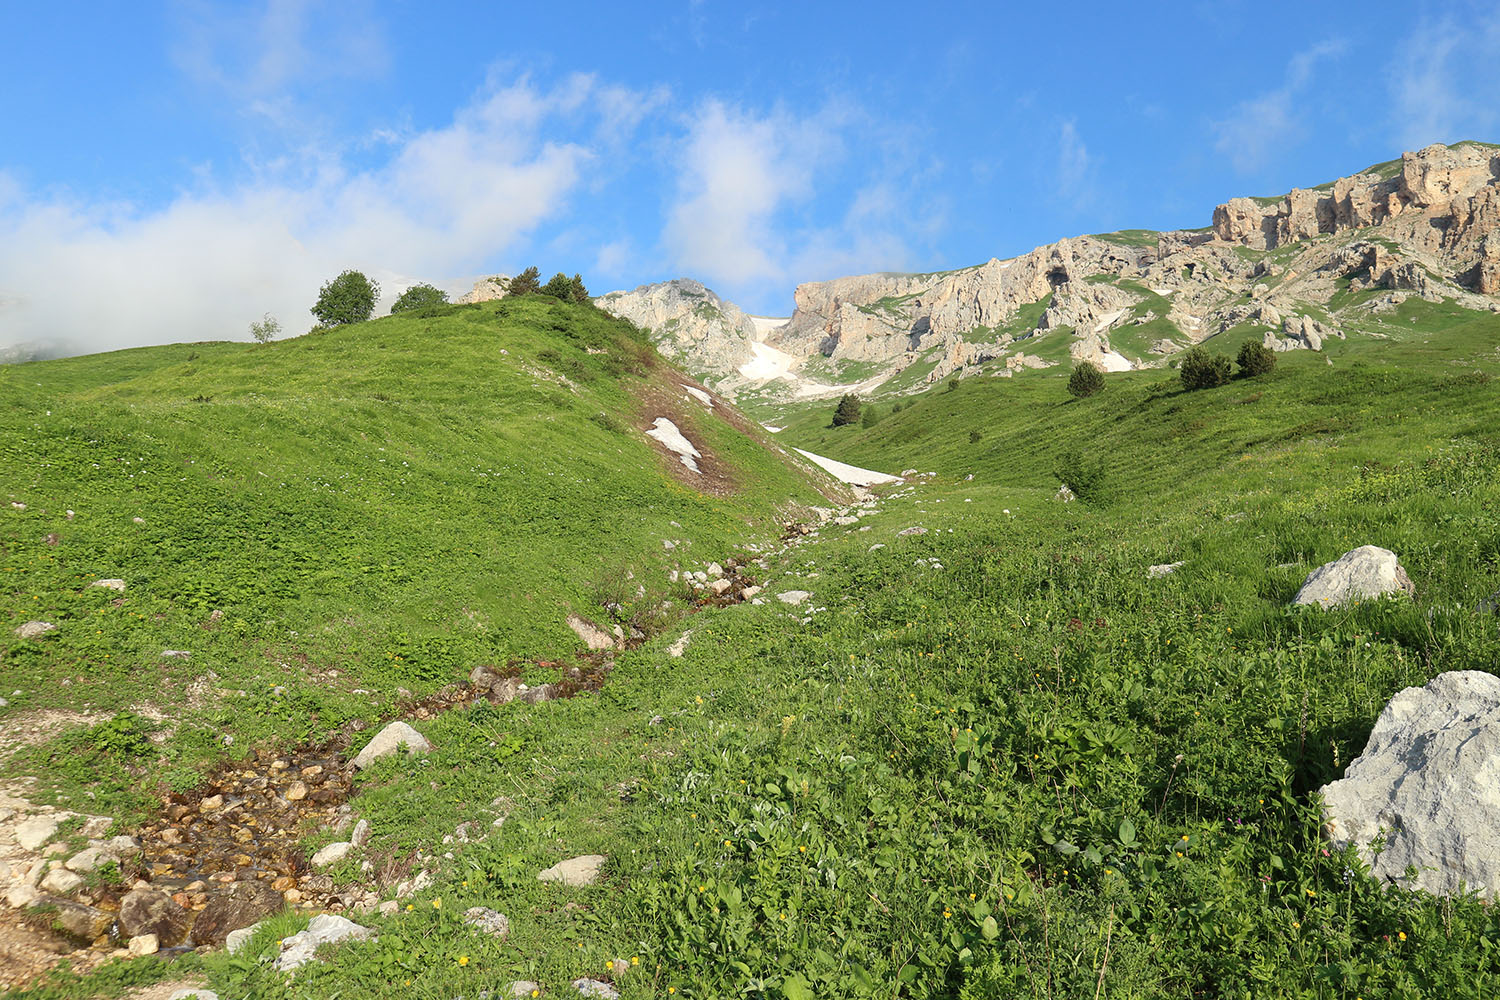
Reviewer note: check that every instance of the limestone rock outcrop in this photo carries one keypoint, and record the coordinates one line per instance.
(1301, 333)
(688, 323)
(1423, 793)
(1442, 199)
(486, 290)
(1364, 573)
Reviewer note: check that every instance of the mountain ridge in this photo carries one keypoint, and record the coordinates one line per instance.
(1335, 256)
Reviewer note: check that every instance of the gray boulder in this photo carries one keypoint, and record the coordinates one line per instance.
(32, 630)
(326, 928)
(1425, 787)
(576, 872)
(1361, 574)
(150, 911)
(388, 741)
(491, 922)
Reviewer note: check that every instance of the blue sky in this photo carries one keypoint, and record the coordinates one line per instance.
(172, 171)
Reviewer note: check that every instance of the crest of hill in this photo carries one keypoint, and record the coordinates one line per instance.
(360, 486)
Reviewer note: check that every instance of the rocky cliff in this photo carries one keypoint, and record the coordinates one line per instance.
(1291, 270)
(688, 323)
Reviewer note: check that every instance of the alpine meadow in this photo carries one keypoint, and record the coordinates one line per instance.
(1119, 618)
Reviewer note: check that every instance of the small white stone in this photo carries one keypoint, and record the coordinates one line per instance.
(332, 854)
(144, 944)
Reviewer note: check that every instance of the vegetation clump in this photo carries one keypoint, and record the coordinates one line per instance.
(1255, 359)
(265, 329)
(1086, 379)
(1202, 370)
(560, 286)
(349, 298)
(420, 296)
(847, 412)
(528, 282)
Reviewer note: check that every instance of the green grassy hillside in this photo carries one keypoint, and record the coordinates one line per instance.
(348, 513)
(993, 759)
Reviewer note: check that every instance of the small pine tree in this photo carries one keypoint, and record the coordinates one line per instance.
(528, 282)
(349, 298)
(580, 293)
(419, 297)
(1201, 370)
(847, 412)
(265, 329)
(1086, 379)
(1255, 359)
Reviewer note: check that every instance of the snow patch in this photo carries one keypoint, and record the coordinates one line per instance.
(765, 324)
(700, 396)
(1115, 362)
(851, 474)
(1104, 323)
(768, 364)
(1165, 291)
(673, 440)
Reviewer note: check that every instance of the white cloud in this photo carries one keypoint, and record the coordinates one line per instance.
(1444, 79)
(747, 182)
(1262, 127)
(1075, 171)
(445, 202)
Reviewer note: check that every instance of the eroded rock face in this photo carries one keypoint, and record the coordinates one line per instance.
(486, 290)
(1301, 333)
(1427, 788)
(1361, 574)
(1443, 199)
(688, 323)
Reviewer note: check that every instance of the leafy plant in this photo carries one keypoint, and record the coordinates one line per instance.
(264, 330)
(1201, 370)
(420, 296)
(348, 298)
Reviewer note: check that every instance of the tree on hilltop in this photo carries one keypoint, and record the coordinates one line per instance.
(349, 298)
(528, 282)
(560, 286)
(265, 329)
(421, 296)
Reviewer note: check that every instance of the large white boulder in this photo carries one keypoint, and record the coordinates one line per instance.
(1359, 574)
(1427, 788)
(326, 928)
(389, 740)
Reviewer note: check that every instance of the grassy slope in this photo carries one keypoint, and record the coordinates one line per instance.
(999, 761)
(395, 501)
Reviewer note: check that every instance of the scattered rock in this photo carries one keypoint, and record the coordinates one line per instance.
(83, 923)
(62, 882)
(295, 792)
(109, 584)
(577, 872)
(1163, 569)
(596, 988)
(326, 928)
(194, 993)
(1366, 572)
(35, 832)
(1490, 605)
(749, 593)
(491, 922)
(1425, 784)
(236, 940)
(361, 835)
(176, 654)
(142, 945)
(18, 897)
(793, 597)
(524, 988)
(591, 635)
(1064, 494)
(150, 911)
(915, 529)
(680, 646)
(32, 630)
(332, 854)
(720, 587)
(389, 740)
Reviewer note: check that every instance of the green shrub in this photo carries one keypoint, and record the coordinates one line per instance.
(1201, 370)
(349, 298)
(975, 437)
(264, 330)
(420, 296)
(1086, 379)
(847, 412)
(870, 417)
(1085, 475)
(1255, 359)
